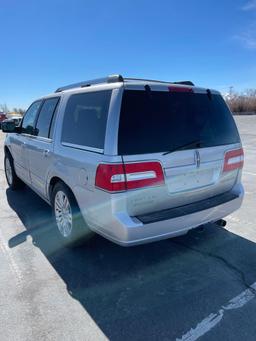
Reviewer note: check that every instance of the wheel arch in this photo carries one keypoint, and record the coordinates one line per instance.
(54, 180)
(7, 151)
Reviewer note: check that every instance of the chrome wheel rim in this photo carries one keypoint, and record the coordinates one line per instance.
(63, 214)
(8, 171)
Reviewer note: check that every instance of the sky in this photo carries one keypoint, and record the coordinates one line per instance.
(50, 43)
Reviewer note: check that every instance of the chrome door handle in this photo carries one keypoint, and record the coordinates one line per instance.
(46, 152)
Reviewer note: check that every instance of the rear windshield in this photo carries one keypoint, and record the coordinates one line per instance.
(157, 121)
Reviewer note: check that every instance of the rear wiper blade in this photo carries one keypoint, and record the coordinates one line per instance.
(197, 144)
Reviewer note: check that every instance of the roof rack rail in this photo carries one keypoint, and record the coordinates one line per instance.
(109, 79)
(115, 79)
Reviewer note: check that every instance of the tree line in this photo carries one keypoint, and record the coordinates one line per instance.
(242, 102)
(238, 103)
(15, 111)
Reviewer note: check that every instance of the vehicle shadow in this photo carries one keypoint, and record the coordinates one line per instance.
(156, 291)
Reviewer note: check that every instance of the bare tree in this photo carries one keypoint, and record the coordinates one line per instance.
(242, 102)
(18, 111)
(4, 108)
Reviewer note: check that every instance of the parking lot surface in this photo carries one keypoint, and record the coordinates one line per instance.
(201, 285)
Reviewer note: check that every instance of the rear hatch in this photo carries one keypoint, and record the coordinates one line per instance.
(187, 131)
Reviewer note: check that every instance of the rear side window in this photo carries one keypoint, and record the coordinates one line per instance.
(85, 119)
(28, 122)
(158, 121)
(45, 117)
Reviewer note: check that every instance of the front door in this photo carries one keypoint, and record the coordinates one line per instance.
(20, 142)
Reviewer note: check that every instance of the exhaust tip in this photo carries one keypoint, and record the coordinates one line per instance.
(221, 222)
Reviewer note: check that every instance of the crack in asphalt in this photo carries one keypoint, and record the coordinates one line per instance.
(224, 261)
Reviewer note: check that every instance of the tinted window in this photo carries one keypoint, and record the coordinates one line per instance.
(45, 117)
(160, 121)
(52, 123)
(29, 118)
(85, 119)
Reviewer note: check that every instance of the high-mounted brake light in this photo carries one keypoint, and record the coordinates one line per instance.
(179, 89)
(234, 159)
(121, 177)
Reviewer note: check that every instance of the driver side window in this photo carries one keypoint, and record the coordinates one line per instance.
(27, 126)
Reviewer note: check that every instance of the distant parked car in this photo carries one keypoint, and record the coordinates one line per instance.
(134, 160)
(2, 118)
(15, 119)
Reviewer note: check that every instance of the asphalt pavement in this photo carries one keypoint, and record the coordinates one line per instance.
(201, 285)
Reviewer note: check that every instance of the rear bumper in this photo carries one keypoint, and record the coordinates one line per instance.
(127, 231)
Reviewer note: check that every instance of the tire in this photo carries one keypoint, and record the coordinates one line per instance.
(11, 177)
(71, 227)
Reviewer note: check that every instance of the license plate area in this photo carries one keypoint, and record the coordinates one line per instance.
(179, 180)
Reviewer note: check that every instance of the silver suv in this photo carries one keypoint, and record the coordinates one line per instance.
(131, 159)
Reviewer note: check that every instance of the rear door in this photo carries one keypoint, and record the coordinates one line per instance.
(188, 132)
(40, 147)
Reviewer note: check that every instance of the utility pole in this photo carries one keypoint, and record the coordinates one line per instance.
(231, 88)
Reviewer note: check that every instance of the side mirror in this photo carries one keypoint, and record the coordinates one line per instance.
(9, 127)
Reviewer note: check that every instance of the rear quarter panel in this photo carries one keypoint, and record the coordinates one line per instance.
(77, 167)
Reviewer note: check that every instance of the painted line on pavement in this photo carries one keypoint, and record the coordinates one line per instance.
(213, 319)
(12, 263)
(250, 173)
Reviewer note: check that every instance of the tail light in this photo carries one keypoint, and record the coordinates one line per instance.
(234, 159)
(121, 177)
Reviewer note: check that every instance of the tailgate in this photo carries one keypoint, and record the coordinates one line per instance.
(186, 179)
(188, 131)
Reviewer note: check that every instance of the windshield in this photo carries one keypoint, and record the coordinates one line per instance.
(158, 121)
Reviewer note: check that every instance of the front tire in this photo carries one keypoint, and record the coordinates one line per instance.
(70, 224)
(13, 181)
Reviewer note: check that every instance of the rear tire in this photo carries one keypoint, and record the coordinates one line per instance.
(71, 227)
(11, 177)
